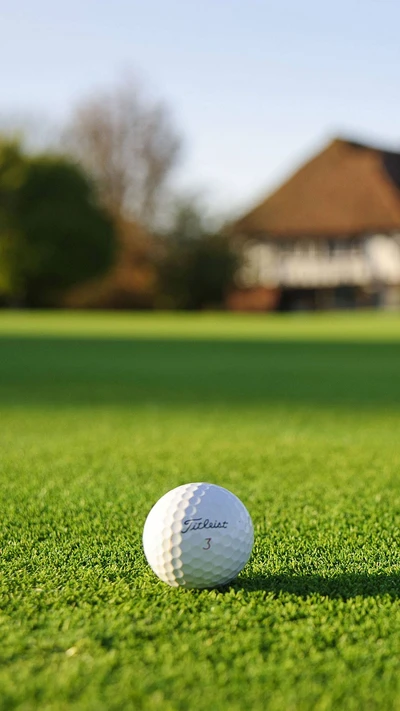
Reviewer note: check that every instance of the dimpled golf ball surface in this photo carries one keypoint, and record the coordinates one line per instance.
(198, 536)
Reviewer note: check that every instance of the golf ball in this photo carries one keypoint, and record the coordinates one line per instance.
(198, 536)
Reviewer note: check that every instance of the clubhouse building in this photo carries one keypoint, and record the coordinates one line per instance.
(327, 238)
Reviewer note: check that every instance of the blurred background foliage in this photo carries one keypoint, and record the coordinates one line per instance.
(92, 222)
(54, 233)
(198, 264)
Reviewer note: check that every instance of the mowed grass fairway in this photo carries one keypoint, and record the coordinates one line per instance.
(101, 414)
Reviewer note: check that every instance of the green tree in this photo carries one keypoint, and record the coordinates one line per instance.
(13, 169)
(199, 265)
(53, 234)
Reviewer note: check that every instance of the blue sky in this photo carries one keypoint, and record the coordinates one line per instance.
(254, 86)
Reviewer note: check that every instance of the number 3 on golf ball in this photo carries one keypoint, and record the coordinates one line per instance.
(198, 536)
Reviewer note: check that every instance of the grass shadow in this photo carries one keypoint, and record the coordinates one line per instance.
(344, 585)
(129, 372)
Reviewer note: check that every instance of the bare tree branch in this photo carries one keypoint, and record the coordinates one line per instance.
(128, 144)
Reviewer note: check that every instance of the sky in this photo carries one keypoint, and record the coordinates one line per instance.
(254, 87)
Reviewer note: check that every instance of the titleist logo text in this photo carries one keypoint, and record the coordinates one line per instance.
(197, 524)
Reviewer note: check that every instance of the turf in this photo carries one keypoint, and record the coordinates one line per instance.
(100, 414)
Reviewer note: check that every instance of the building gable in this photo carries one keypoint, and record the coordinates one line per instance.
(348, 189)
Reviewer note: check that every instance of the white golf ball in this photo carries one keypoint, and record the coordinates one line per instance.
(198, 536)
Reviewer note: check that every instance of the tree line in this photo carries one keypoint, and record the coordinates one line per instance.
(92, 223)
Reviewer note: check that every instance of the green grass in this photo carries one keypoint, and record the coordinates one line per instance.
(101, 414)
(367, 326)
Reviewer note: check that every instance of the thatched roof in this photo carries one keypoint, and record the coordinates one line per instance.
(348, 189)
